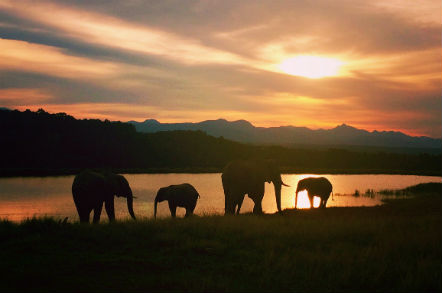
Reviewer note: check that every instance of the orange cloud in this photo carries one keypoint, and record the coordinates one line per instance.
(113, 32)
(24, 56)
(227, 66)
(24, 96)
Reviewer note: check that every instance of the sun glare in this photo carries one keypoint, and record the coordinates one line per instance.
(311, 66)
(304, 203)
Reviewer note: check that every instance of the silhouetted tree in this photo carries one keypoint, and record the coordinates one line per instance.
(40, 141)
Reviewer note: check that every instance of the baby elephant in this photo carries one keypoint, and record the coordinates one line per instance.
(181, 195)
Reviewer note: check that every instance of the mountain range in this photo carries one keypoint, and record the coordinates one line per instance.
(342, 135)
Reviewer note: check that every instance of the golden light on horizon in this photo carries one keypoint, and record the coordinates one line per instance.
(311, 66)
(303, 202)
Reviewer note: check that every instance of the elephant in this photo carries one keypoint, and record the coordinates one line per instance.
(241, 177)
(181, 195)
(91, 189)
(315, 187)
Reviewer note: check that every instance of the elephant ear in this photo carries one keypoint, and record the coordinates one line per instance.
(257, 171)
(271, 171)
(112, 182)
(118, 185)
(123, 188)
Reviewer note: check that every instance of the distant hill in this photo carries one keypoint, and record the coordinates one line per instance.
(342, 135)
(40, 143)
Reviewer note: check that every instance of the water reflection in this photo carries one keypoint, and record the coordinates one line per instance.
(21, 198)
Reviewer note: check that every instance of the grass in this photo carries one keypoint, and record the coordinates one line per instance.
(391, 248)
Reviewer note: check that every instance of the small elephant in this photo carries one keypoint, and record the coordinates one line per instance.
(181, 195)
(315, 187)
(91, 189)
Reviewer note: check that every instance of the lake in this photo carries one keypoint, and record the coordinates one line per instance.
(26, 197)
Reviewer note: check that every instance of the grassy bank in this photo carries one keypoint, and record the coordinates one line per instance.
(395, 247)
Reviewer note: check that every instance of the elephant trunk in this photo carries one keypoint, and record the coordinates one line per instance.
(155, 208)
(130, 206)
(278, 194)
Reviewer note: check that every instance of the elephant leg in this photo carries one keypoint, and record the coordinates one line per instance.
(190, 209)
(172, 209)
(97, 213)
(310, 198)
(230, 203)
(189, 212)
(83, 213)
(324, 202)
(109, 206)
(257, 209)
(240, 201)
(84, 216)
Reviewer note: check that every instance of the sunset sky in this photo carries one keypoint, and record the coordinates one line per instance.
(370, 64)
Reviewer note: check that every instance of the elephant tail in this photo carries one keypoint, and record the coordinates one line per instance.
(332, 196)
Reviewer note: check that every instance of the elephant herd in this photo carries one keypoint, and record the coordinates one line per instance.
(91, 190)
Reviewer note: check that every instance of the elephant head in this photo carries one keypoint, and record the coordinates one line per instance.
(272, 174)
(301, 186)
(162, 195)
(121, 188)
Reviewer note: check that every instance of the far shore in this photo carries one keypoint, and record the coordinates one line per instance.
(34, 172)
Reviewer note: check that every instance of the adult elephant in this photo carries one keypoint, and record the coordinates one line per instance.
(243, 177)
(181, 195)
(91, 189)
(315, 186)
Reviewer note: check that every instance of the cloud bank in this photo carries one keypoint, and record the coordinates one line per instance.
(181, 61)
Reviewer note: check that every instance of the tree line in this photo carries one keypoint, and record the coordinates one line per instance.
(38, 143)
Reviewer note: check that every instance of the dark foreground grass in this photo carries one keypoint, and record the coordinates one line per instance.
(395, 247)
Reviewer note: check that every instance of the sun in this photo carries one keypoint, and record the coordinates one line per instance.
(311, 66)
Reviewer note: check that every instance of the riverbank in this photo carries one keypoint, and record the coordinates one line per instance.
(37, 172)
(394, 247)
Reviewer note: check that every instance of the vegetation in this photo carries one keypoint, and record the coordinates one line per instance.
(432, 188)
(39, 143)
(389, 248)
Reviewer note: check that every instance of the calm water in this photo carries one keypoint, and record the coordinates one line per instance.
(21, 198)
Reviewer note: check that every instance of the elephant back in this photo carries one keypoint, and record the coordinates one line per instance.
(182, 194)
(243, 174)
(188, 190)
(320, 185)
(88, 182)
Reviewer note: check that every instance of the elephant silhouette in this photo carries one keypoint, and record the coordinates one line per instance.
(319, 186)
(243, 177)
(180, 195)
(91, 189)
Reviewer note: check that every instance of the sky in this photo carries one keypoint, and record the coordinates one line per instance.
(374, 65)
